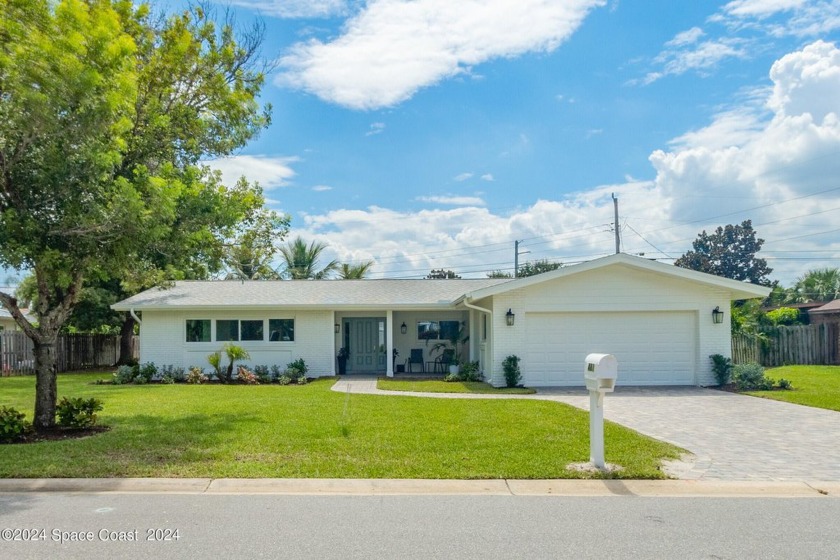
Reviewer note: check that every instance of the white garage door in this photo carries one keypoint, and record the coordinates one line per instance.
(651, 348)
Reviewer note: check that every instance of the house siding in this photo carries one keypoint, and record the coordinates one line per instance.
(163, 340)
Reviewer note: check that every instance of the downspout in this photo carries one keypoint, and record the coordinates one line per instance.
(134, 316)
(481, 310)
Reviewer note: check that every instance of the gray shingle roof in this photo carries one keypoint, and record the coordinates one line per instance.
(328, 294)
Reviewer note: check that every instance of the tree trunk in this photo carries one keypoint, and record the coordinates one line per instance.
(46, 387)
(126, 339)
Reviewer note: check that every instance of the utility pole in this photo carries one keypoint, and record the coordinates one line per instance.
(516, 254)
(516, 259)
(617, 237)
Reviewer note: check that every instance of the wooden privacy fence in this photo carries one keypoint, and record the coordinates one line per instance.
(73, 351)
(802, 344)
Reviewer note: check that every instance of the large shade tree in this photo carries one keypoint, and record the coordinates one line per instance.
(105, 115)
(729, 252)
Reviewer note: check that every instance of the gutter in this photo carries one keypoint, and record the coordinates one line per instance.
(477, 308)
(134, 315)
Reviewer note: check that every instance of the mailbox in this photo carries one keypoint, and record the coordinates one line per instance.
(600, 372)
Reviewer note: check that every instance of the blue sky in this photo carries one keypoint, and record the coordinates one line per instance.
(433, 134)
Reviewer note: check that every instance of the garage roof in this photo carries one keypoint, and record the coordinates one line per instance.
(738, 290)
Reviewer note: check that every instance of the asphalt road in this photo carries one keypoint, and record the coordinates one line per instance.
(412, 527)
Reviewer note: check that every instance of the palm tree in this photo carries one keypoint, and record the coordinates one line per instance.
(302, 261)
(354, 271)
(821, 284)
(249, 263)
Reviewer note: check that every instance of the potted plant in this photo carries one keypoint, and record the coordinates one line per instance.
(343, 355)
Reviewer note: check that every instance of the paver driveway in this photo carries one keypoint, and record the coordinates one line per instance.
(732, 437)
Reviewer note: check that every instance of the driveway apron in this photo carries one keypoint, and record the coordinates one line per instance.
(730, 436)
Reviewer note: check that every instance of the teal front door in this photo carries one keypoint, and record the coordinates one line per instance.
(365, 337)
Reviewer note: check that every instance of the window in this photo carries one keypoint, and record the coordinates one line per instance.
(428, 330)
(449, 329)
(438, 330)
(227, 329)
(281, 330)
(251, 330)
(198, 330)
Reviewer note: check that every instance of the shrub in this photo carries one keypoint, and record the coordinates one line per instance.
(750, 377)
(262, 373)
(196, 376)
(284, 380)
(722, 368)
(784, 384)
(513, 375)
(246, 376)
(468, 372)
(171, 374)
(784, 316)
(12, 424)
(276, 372)
(124, 375)
(78, 412)
(296, 370)
(147, 371)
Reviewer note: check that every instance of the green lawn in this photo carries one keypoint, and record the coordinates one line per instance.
(440, 386)
(817, 386)
(313, 432)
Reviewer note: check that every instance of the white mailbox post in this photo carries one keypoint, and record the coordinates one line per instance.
(600, 373)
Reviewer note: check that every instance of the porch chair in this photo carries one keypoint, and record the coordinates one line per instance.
(446, 359)
(416, 357)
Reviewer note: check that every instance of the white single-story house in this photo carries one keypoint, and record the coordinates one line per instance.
(658, 320)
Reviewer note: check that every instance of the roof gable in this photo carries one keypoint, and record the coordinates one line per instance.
(738, 290)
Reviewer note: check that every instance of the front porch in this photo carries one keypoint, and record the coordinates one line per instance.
(408, 343)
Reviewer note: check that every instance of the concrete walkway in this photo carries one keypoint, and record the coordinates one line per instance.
(732, 437)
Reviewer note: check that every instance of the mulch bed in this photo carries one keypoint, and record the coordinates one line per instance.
(59, 434)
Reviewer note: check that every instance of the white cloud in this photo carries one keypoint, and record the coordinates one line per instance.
(453, 200)
(801, 18)
(487, 177)
(683, 56)
(760, 161)
(393, 48)
(686, 37)
(462, 177)
(761, 8)
(295, 8)
(322, 188)
(375, 128)
(270, 172)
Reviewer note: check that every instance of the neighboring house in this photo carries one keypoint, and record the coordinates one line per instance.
(825, 313)
(7, 322)
(655, 318)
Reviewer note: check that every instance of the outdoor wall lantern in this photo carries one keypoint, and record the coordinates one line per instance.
(717, 315)
(509, 317)
(337, 328)
(403, 328)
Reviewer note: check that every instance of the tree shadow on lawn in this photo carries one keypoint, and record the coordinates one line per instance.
(137, 445)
